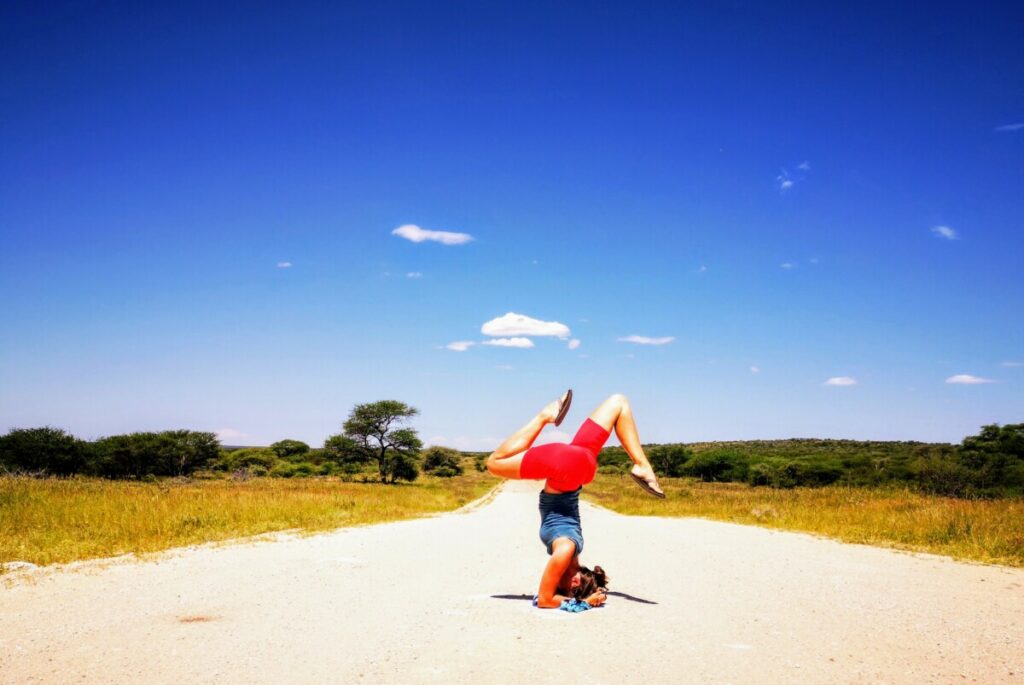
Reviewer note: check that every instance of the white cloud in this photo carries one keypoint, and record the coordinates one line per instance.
(1012, 365)
(284, 265)
(967, 379)
(813, 260)
(644, 340)
(1005, 128)
(504, 367)
(804, 166)
(418, 235)
(755, 369)
(786, 265)
(523, 343)
(414, 274)
(702, 269)
(230, 434)
(574, 344)
(460, 345)
(945, 232)
(784, 181)
(519, 324)
(841, 381)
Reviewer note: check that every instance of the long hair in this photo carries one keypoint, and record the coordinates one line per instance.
(590, 582)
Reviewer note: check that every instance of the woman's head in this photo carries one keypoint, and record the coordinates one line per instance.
(589, 582)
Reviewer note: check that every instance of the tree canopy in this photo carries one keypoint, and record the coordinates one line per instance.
(377, 430)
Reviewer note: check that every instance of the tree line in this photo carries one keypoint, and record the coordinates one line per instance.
(376, 442)
(374, 439)
(989, 464)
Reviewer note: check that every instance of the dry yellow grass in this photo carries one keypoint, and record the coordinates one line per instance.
(45, 521)
(988, 531)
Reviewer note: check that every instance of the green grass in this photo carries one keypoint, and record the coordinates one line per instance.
(46, 521)
(990, 531)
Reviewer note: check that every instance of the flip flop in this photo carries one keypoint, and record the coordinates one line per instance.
(646, 486)
(564, 409)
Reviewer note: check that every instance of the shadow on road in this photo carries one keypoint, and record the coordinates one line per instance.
(610, 593)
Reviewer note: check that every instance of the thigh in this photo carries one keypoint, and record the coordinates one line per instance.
(508, 467)
(607, 413)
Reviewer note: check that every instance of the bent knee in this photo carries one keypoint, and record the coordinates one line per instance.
(618, 399)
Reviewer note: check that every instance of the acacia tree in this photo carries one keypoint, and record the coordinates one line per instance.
(377, 429)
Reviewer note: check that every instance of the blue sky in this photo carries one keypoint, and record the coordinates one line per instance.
(822, 208)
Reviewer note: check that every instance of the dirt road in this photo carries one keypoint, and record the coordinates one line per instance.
(438, 600)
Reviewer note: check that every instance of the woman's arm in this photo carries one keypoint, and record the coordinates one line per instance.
(563, 551)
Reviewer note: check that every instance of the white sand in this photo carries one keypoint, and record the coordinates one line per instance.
(412, 602)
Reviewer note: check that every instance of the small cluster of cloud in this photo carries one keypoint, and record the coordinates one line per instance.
(967, 379)
(958, 379)
(414, 274)
(786, 181)
(945, 232)
(512, 330)
(787, 265)
(755, 369)
(644, 340)
(418, 235)
(1012, 365)
(284, 265)
(520, 324)
(1010, 128)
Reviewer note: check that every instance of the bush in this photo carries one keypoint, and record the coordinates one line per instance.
(667, 460)
(480, 462)
(946, 477)
(249, 458)
(346, 453)
(304, 470)
(443, 462)
(290, 449)
(709, 466)
(282, 469)
(402, 466)
(170, 453)
(44, 450)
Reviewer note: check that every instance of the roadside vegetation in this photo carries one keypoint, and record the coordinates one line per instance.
(985, 530)
(63, 498)
(53, 520)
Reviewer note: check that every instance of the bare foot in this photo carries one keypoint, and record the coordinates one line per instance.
(550, 412)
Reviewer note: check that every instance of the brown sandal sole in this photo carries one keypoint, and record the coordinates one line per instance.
(564, 409)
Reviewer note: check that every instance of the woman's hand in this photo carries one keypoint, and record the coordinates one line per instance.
(596, 599)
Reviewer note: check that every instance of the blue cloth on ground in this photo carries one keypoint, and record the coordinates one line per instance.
(560, 518)
(573, 606)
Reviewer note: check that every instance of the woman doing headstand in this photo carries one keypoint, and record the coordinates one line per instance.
(566, 468)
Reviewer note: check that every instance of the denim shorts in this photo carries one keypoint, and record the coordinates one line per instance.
(560, 518)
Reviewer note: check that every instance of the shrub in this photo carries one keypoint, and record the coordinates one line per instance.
(442, 461)
(282, 469)
(249, 459)
(480, 462)
(289, 449)
(709, 466)
(46, 450)
(303, 470)
(402, 466)
(667, 460)
(170, 453)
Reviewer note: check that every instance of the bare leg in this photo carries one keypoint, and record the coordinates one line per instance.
(505, 461)
(615, 413)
